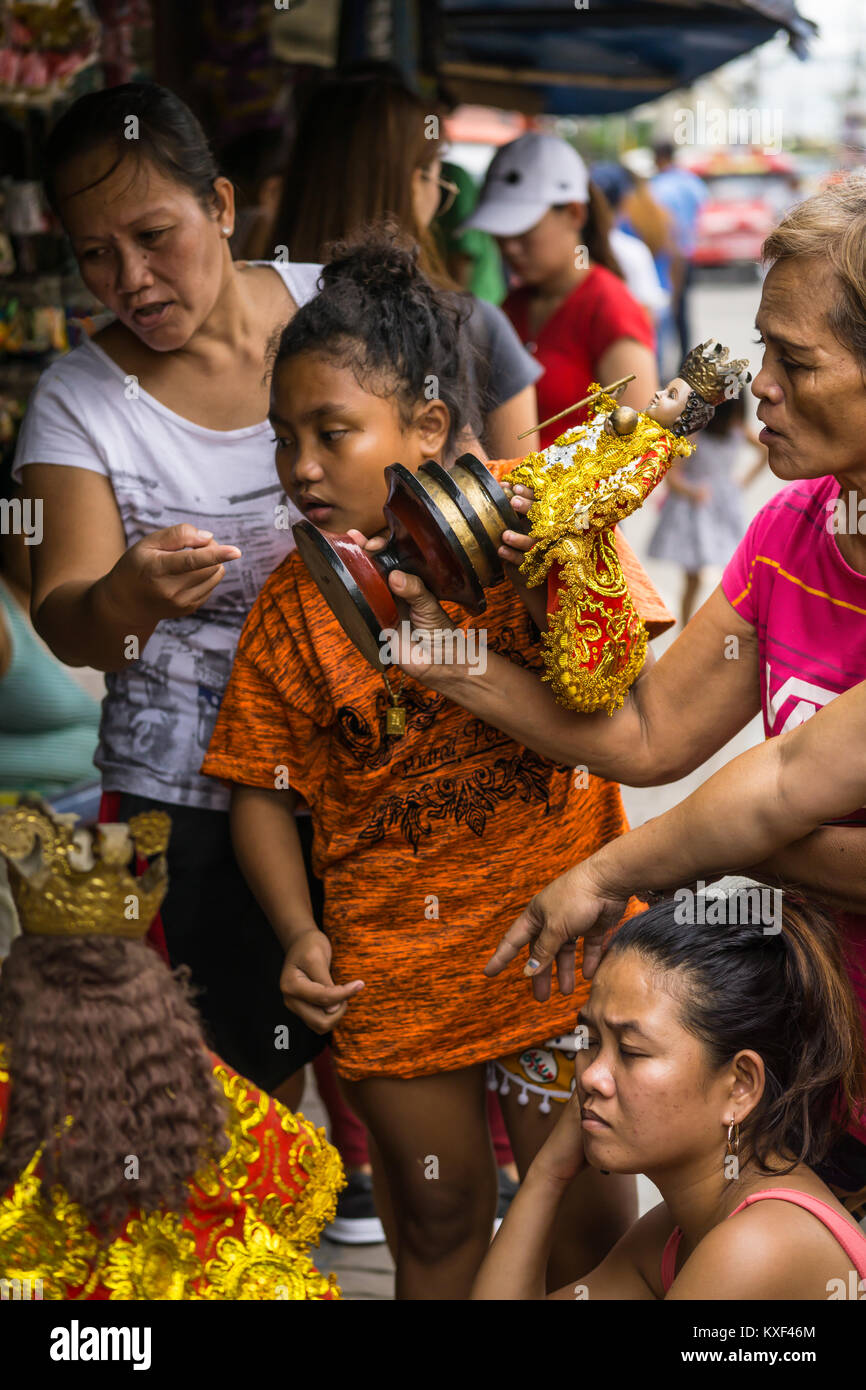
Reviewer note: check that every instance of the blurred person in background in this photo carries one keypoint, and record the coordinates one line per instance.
(368, 148)
(572, 308)
(49, 724)
(702, 519)
(633, 255)
(471, 257)
(640, 211)
(682, 193)
(255, 162)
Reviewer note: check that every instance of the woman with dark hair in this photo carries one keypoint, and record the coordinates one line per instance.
(722, 1061)
(368, 148)
(149, 449)
(134, 1164)
(571, 309)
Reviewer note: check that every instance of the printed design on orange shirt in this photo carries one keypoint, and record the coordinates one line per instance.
(355, 732)
(372, 746)
(468, 801)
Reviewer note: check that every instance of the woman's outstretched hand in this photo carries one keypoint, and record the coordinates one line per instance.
(572, 906)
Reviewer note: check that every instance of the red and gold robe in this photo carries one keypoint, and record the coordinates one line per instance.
(245, 1233)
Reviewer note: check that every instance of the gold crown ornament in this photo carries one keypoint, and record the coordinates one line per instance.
(70, 880)
(715, 376)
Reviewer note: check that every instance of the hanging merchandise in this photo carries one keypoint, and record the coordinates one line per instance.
(44, 44)
(126, 39)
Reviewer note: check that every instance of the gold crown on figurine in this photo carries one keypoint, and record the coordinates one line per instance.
(714, 375)
(70, 880)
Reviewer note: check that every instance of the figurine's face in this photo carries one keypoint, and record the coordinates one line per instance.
(668, 404)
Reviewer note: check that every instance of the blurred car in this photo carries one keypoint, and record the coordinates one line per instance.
(748, 193)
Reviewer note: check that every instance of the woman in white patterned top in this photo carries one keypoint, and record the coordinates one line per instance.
(149, 450)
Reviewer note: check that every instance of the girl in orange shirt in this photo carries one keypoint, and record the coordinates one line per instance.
(427, 841)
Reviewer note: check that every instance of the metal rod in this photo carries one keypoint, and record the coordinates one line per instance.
(605, 391)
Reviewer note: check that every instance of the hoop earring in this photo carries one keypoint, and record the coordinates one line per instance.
(733, 1139)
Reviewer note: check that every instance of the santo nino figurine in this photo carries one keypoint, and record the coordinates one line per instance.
(134, 1164)
(589, 479)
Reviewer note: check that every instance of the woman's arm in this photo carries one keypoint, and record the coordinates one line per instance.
(831, 863)
(680, 710)
(764, 799)
(507, 421)
(515, 1266)
(90, 593)
(73, 607)
(761, 801)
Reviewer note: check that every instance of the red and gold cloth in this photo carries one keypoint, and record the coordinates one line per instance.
(590, 479)
(244, 1235)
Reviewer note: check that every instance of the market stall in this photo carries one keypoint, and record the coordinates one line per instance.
(49, 51)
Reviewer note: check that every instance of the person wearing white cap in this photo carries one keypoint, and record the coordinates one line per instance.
(572, 309)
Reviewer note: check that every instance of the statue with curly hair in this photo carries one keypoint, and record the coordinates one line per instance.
(134, 1164)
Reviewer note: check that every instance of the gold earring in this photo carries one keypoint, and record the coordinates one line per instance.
(733, 1139)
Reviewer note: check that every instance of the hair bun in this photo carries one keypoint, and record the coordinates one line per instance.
(381, 259)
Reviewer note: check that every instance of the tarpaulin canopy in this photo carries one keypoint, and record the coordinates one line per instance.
(553, 56)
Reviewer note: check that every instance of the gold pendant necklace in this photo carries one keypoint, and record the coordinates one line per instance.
(395, 719)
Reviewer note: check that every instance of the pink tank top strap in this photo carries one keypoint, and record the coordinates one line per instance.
(669, 1258)
(852, 1240)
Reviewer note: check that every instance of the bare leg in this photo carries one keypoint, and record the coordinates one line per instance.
(291, 1091)
(690, 594)
(597, 1208)
(382, 1197)
(432, 1138)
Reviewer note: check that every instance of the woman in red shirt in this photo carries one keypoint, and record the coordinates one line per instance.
(572, 310)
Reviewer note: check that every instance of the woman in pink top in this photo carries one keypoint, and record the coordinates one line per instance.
(722, 1063)
(785, 631)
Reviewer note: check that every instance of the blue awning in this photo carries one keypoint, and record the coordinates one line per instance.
(551, 56)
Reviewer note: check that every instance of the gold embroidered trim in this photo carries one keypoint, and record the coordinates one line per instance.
(260, 1253)
(595, 643)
